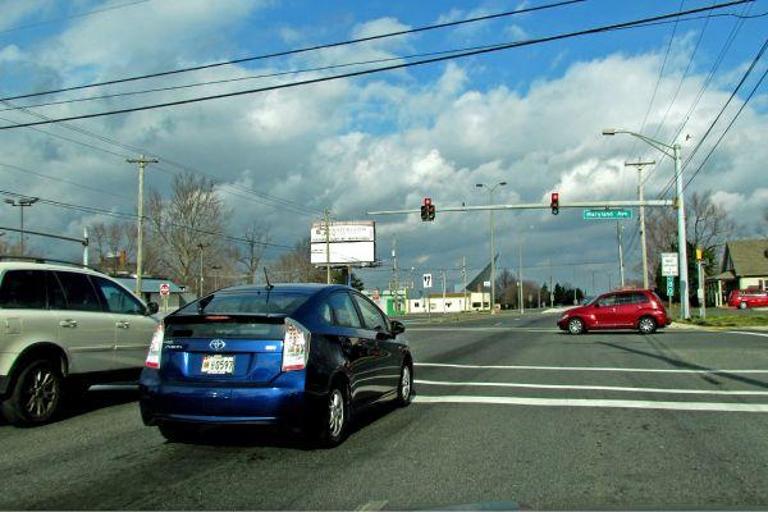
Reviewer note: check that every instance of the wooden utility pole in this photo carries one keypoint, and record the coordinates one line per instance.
(142, 161)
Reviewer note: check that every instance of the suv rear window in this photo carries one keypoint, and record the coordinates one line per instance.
(23, 289)
(247, 303)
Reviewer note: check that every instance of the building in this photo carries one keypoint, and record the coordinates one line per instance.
(393, 304)
(744, 265)
(150, 292)
(453, 303)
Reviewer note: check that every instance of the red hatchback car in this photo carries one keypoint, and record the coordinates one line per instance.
(631, 309)
(744, 299)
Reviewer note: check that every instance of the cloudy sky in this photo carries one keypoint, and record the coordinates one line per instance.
(530, 116)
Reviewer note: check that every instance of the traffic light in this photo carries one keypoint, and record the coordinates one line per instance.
(427, 209)
(554, 203)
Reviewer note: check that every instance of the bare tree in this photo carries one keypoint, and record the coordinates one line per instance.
(251, 254)
(112, 241)
(707, 226)
(295, 267)
(188, 228)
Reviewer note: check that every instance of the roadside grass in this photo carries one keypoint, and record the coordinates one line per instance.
(730, 321)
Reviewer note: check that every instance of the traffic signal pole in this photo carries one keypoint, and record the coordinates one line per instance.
(631, 203)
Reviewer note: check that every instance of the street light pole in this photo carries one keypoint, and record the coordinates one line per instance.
(682, 243)
(22, 203)
(492, 226)
(640, 186)
(672, 151)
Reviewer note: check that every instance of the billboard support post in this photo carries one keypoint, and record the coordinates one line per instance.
(326, 215)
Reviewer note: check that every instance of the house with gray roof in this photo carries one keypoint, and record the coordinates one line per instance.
(745, 265)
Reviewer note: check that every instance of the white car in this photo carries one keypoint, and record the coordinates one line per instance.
(63, 328)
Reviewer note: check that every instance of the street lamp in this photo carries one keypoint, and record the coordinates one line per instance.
(672, 151)
(491, 190)
(22, 203)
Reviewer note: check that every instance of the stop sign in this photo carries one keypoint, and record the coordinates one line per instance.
(165, 289)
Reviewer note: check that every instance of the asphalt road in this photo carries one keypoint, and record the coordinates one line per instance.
(509, 412)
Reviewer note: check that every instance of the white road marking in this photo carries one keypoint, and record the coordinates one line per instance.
(584, 368)
(373, 505)
(580, 402)
(593, 388)
(764, 335)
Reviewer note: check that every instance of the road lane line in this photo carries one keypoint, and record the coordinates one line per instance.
(593, 388)
(582, 368)
(764, 335)
(581, 402)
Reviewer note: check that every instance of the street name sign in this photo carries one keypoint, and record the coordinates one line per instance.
(669, 264)
(614, 214)
(427, 279)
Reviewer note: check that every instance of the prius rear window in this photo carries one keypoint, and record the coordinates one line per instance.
(250, 303)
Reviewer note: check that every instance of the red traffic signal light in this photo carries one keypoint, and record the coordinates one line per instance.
(427, 209)
(554, 203)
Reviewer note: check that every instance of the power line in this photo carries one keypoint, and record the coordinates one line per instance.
(707, 81)
(284, 203)
(132, 216)
(205, 83)
(516, 44)
(76, 15)
(61, 180)
(727, 128)
(301, 50)
(722, 110)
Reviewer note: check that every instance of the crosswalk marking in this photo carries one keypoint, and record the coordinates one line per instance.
(592, 388)
(588, 368)
(598, 403)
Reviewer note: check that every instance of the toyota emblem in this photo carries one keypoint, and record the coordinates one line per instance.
(217, 345)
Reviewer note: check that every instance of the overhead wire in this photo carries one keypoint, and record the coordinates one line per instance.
(727, 129)
(714, 121)
(296, 51)
(132, 216)
(516, 44)
(72, 16)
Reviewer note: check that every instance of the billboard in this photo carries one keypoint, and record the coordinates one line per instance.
(351, 243)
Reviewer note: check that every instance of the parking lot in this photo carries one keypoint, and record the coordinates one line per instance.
(508, 411)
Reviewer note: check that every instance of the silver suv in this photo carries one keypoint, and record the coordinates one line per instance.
(63, 328)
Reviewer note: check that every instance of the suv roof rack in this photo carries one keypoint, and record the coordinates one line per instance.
(33, 259)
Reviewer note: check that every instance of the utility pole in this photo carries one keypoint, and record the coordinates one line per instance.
(327, 220)
(86, 242)
(21, 203)
(464, 277)
(594, 286)
(520, 275)
(491, 190)
(201, 246)
(444, 292)
(619, 231)
(395, 277)
(640, 185)
(551, 289)
(142, 161)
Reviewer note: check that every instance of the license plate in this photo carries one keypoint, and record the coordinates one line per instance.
(218, 365)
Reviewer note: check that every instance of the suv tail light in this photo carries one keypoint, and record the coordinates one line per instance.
(295, 346)
(155, 348)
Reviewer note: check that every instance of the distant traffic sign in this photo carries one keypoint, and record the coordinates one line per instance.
(607, 214)
(669, 264)
(165, 290)
(427, 280)
(670, 286)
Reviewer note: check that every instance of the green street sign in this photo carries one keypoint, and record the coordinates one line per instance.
(670, 286)
(607, 214)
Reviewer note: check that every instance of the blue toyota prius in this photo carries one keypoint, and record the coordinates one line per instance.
(305, 356)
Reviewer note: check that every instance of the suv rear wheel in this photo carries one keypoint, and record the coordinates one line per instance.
(36, 395)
